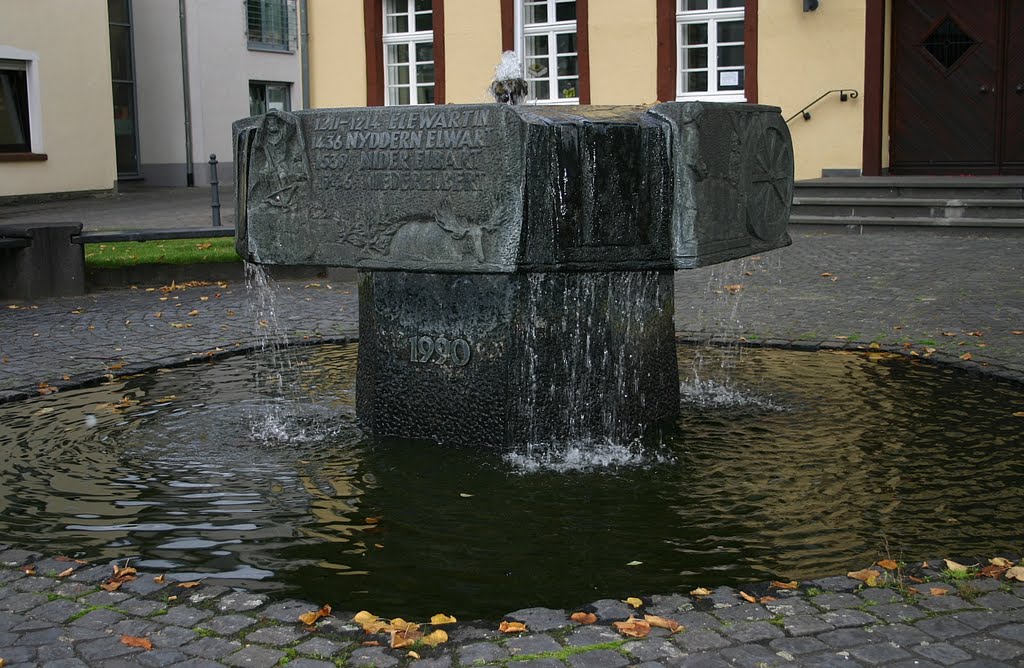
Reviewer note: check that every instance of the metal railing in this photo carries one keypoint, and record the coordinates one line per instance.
(271, 25)
(844, 95)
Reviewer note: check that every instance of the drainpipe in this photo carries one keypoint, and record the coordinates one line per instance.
(186, 95)
(304, 47)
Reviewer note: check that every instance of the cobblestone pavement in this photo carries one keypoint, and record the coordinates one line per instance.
(940, 298)
(63, 613)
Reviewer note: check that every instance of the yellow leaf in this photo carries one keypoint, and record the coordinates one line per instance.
(785, 585)
(414, 656)
(888, 564)
(1015, 573)
(1001, 562)
(766, 599)
(955, 567)
(111, 586)
(135, 641)
(1019, 414)
(633, 628)
(65, 573)
(633, 601)
(436, 638)
(938, 591)
(663, 623)
(512, 627)
(310, 618)
(584, 618)
(189, 585)
(965, 357)
(172, 598)
(634, 563)
(826, 274)
(440, 619)
(203, 246)
(733, 289)
(2, 662)
(700, 591)
(193, 312)
(747, 597)
(159, 579)
(400, 639)
(867, 576)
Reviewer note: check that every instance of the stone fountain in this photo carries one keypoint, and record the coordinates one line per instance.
(515, 262)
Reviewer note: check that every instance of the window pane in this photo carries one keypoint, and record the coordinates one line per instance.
(423, 5)
(536, 45)
(397, 53)
(398, 95)
(124, 128)
(567, 88)
(536, 68)
(730, 80)
(695, 59)
(565, 11)
(396, 24)
(695, 82)
(730, 56)
(424, 74)
(424, 52)
(277, 98)
(539, 90)
(695, 33)
(694, 5)
(117, 11)
(566, 42)
(728, 4)
(425, 95)
(567, 66)
(257, 100)
(14, 129)
(425, 21)
(397, 6)
(535, 13)
(120, 53)
(398, 74)
(730, 31)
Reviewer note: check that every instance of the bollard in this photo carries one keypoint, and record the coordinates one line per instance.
(214, 191)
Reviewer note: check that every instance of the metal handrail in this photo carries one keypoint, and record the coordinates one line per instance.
(844, 95)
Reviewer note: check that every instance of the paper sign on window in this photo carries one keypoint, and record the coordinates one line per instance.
(728, 79)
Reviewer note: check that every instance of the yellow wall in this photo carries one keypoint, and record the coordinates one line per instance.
(72, 41)
(800, 56)
(623, 52)
(472, 43)
(337, 53)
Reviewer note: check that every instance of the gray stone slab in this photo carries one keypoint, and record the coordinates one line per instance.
(749, 632)
(831, 600)
(981, 619)
(697, 620)
(211, 648)
(880, 595)
(159, 658)
(942, 653)
(319, 647)
(591, 635)
(43, 637)
(34, 584)
(805, 625)
(94, 651)
(183, 615)
(847, 637)
(898, 612)
(848, 618)
(532, 644)
(14, 557)
(798, 646)
(207, 592)
(999, 601)
(275, 635)
(226, 624)
(703, 660)
(92, 574)
(287, 611)
(700, 640)
(541, 619)
(943, 628)
(140, 607)
(789, 607)
(839, 583)
(993, 648)
(372, 656)
(534, 663)
(312, 663)
(599, 658)
(653, 649)
(745, 612)
(257, 657)
(879, 653)
(172, 636)
(481, 651)
(946, 603)
(612, 610)
(669, 604)
(903, 635)
(240, 601)
(22, 602)
(1014, 632)
(751, 656)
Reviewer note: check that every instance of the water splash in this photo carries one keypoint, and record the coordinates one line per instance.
(581, 456)
(711, 393)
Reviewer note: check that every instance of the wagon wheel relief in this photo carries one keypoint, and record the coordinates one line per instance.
(769, 183)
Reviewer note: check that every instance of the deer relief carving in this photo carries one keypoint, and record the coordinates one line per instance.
(443, 238)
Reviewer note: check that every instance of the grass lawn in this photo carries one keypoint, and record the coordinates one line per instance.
(171, 251)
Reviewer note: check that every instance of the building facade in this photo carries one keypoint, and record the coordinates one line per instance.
(56, 134)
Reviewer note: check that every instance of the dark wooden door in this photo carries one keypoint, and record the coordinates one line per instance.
(953, 110)
(1013, 91)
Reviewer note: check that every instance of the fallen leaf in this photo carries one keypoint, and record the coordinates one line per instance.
(633, 601)
(634, 563)
(180, 325)
(414, 656)
(915, 579)
(826, 275)
(372, 520)
(955, 567)
(867, 576)
(189, 585)
(975, 333)
(111, 586)
(633, 628)
(734, 289)
(65, 573)
(966, 357)
(1019, 414)
(1017, 332)
(370, 643)
(466, 496)
(436, 638)
(2, 662)
(663, 623)
(135, 641)
(992, 571)
(949, 333)
(1015, 573)
(766, 599)
(399, 624)
(785, 585)
(512, 627)
(584, 618)
(400, 639)
(172, 598)
(938, 591)
(310, 618)
(193, 312)
(700, 591)
(363, 617)
(888, 564)
(440, 619)
(29, 570)
(203, 246)
(159, 579)
(1001, 562)
(747, 597)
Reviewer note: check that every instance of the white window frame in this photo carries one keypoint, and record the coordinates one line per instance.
(410, 38)
(30, 61)
(711, 17)
(552, 28)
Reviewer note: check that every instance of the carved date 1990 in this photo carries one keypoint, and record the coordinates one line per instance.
(439, 350)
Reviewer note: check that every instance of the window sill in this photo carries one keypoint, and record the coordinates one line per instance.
(23, 157)
(270, 48)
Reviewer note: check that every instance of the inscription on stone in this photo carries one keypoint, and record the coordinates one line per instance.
(439, 350)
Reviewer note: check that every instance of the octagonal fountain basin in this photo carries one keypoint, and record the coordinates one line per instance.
(784, 465)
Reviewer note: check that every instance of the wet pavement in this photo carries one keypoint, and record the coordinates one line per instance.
(952, 300)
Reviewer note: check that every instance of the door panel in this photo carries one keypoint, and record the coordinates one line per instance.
(945, 98)
(1013, 90)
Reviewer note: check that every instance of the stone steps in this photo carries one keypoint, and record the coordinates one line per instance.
(968, 204)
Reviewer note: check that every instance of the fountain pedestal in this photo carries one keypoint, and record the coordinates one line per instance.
(517, 261)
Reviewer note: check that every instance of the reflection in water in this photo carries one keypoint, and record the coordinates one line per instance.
(782, 465)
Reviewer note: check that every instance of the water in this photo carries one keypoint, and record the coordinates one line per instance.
(790, 466)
